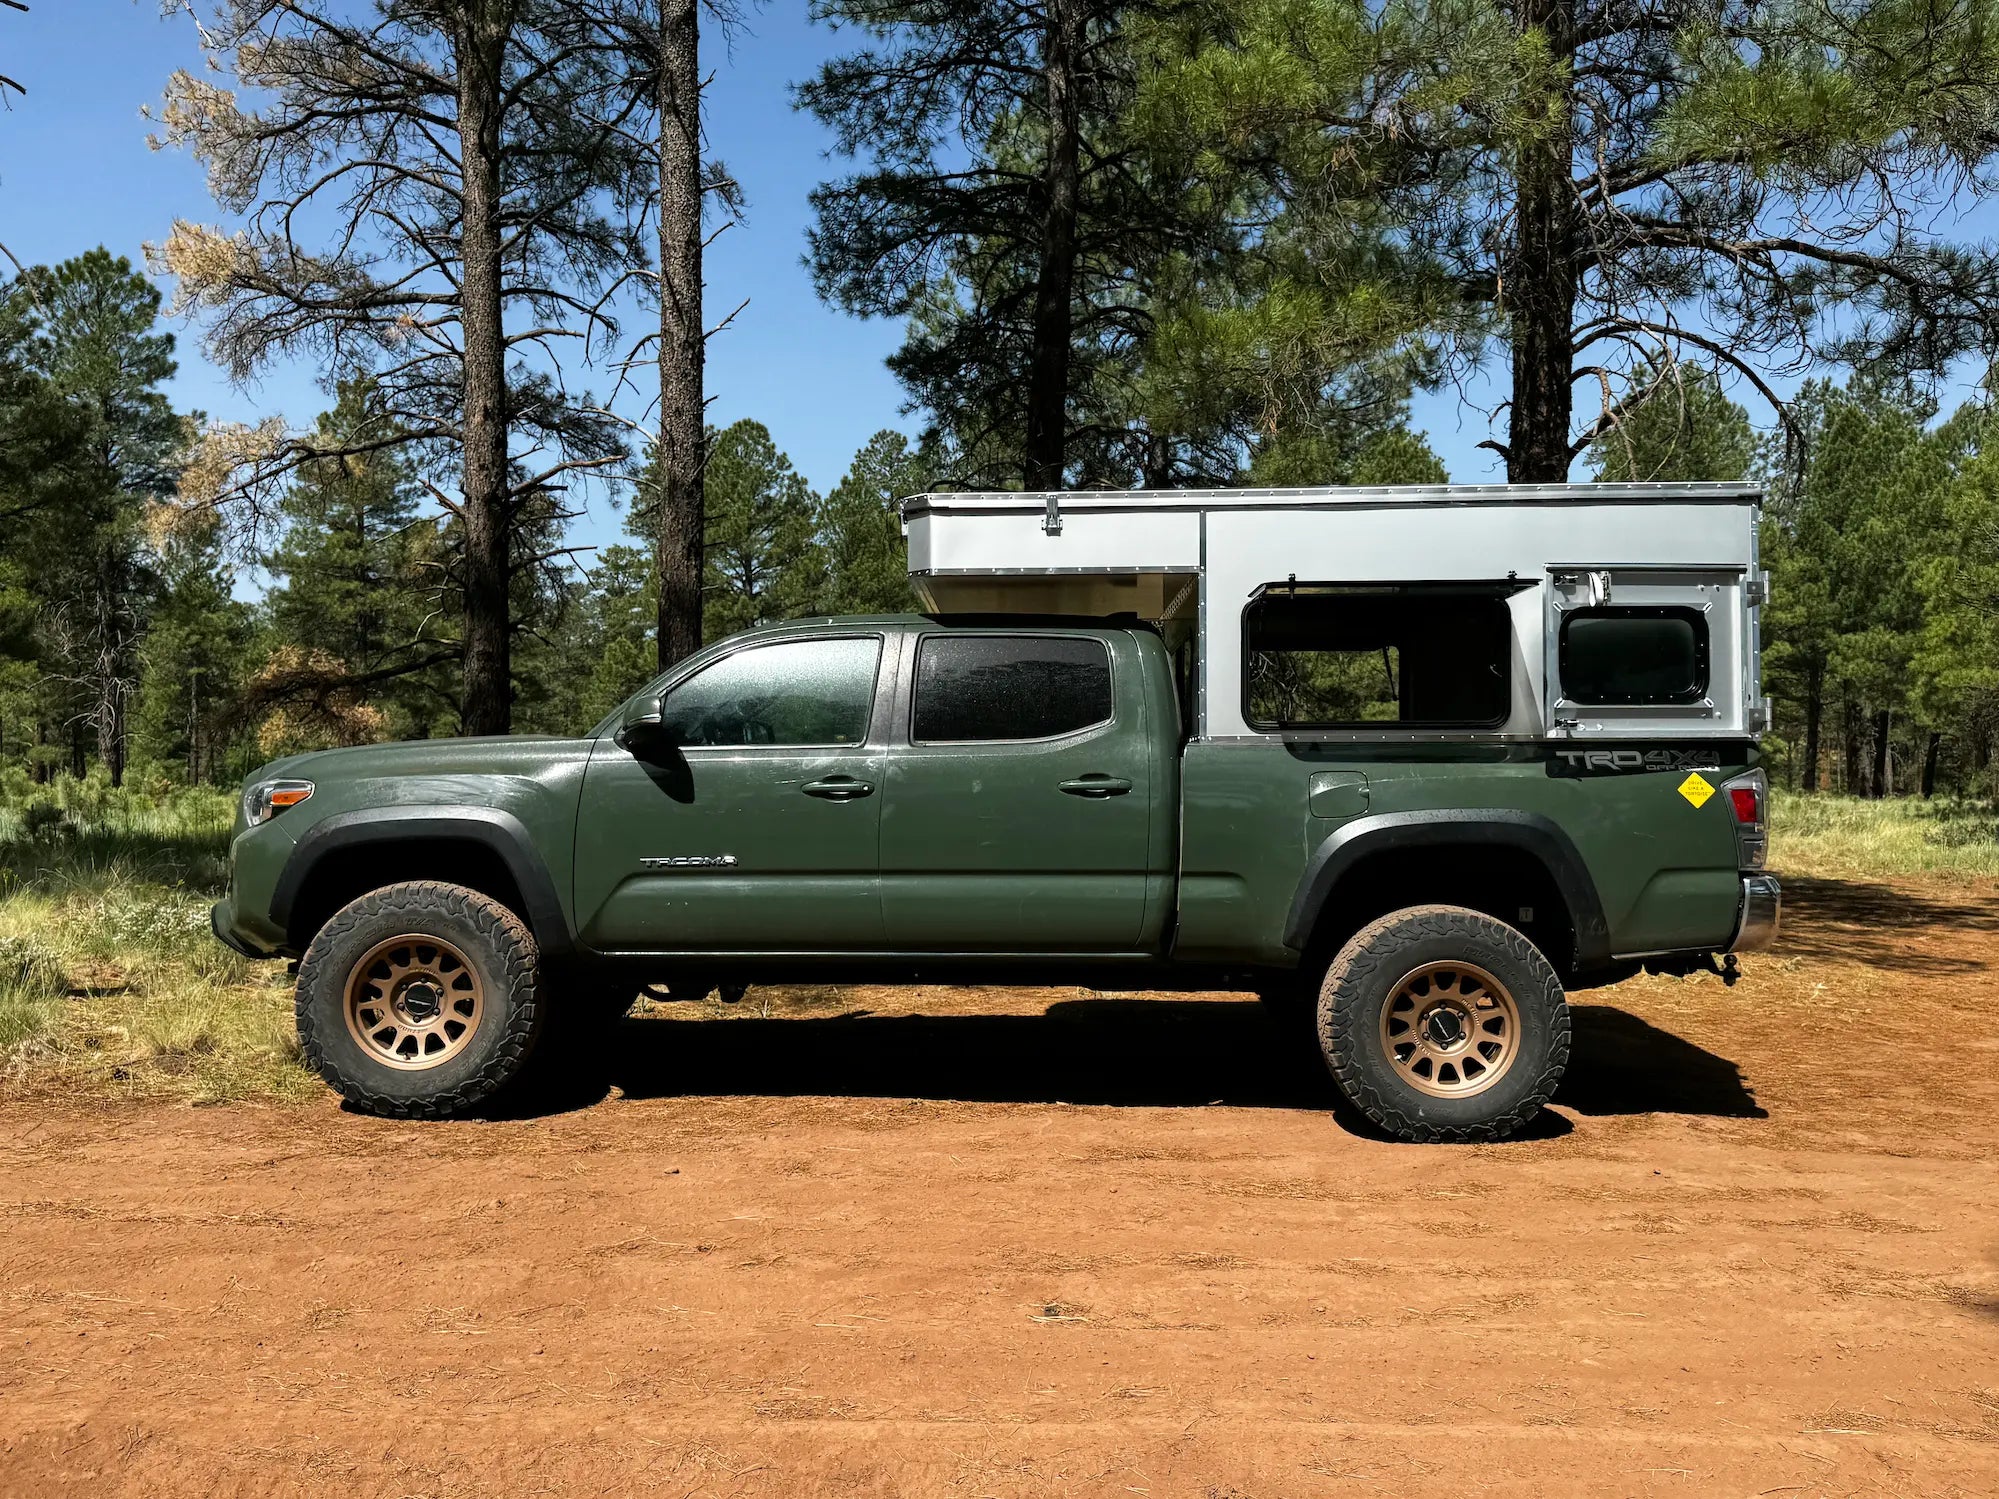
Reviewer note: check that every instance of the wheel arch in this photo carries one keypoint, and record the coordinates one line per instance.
(1339, 866)
(483, 848)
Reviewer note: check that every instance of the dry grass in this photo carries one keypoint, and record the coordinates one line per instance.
(110, 981)
(1847, 837)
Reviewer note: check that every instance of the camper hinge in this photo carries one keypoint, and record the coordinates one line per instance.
(1756, 590)
(1052, 521)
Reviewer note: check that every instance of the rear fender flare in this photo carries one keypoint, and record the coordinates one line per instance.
(500, 832)
(1533, 834)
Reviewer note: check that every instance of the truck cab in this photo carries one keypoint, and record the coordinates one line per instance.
(1412, 764)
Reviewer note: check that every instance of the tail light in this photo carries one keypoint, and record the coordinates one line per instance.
(1749, 800)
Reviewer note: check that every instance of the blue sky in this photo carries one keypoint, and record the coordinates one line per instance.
(75, 171)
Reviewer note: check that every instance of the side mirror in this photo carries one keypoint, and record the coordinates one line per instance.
(643, 727)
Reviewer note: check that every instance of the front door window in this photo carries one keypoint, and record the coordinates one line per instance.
(794, 692)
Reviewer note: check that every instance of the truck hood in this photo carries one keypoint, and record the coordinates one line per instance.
(502, 754)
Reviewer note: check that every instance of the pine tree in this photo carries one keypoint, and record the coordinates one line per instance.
(197, 650)
(86, 330)
(359, 606)
(860, 530)
(1688, 430)
(457, 161)
(1626, 188)
(763, 563)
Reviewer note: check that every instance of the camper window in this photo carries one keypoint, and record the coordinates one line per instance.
(1634, 656)
(1328, 657)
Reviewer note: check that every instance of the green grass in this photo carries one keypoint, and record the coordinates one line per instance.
(110, 981)
(1847, 837)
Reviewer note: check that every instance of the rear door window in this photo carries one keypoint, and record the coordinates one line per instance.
(995, 688)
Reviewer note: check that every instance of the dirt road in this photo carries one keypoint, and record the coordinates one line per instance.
(1045, 1244)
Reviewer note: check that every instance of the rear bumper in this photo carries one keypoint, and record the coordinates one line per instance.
(1762, 908)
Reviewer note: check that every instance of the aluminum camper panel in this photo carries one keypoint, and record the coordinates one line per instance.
(1249, 549)
(1023, 539)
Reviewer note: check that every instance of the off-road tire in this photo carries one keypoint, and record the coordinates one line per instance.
(1366, 975)
(494, 942)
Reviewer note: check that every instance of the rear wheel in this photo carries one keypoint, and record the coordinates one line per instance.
(1442, 1024)
(419, 1000)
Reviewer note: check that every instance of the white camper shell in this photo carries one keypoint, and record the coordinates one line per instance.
(1196, 563)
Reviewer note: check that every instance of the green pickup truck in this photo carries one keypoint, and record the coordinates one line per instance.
(1375, 809)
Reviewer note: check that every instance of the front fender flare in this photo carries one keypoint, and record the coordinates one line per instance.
(1530, 832)
(501, 832)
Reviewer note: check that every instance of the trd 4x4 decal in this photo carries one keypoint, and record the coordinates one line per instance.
(1615, 761)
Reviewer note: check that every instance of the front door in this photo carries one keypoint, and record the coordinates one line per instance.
(759, 829)
(1019, 800)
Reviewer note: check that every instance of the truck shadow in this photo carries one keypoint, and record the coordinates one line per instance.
(1141, 1053)
(1896, 928)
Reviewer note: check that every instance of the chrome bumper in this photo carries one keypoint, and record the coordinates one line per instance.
(1762, 906)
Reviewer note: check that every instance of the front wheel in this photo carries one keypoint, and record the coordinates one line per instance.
(1442, 1024)
(419, 1000)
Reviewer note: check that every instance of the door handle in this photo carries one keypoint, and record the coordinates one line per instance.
(1094, 786)
(838, 789)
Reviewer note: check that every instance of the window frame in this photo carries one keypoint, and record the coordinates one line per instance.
(923, 638)
(868, 732)
(1703, 654)
(1484, 590)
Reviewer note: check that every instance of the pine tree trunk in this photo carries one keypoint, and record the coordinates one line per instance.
(1814, 718)
(1048, 370)
(1850, 745)
(682, 445)
(108, 714)
(1540, 285)
(1932, 751)
(1878, 786)
(486, 706)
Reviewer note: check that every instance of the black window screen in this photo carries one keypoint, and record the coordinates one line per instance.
(1345, 658)
(1009, 687)
(1633, 656)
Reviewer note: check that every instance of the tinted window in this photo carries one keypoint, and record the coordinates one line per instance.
(1634, 656)
(793, 692)
(1355, 658)
(1009, 687)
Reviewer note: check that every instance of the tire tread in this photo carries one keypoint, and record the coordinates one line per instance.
(1342, 1031)
(514, 947)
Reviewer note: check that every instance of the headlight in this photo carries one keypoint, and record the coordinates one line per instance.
(267, 799)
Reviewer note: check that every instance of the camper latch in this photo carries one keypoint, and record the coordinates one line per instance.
(1051, 522)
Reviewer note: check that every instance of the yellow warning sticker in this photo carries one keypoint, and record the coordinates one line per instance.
(1696, 789)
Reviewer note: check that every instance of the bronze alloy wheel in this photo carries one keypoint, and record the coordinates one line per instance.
(1451, 1029)
(413, 1002)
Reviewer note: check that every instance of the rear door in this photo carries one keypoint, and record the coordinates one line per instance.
(1018, 797)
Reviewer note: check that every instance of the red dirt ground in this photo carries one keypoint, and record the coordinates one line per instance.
(1041, 1243)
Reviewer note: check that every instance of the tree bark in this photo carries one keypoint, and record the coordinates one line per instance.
(1850, 745)
(1878, 786)
(1932, 752)
(1814, 719)
(486, 706)
(1046, 446)
(682, 454)
(1541, 279)
(108, 715)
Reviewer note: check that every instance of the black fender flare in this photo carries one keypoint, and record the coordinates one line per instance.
(501, 832)
(1530, 832)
